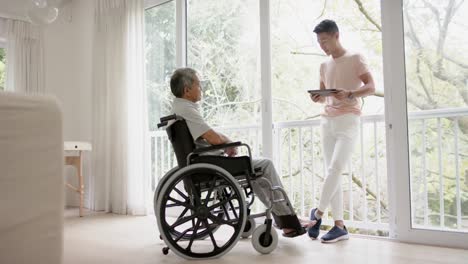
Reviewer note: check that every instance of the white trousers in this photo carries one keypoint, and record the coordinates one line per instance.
(339, 135)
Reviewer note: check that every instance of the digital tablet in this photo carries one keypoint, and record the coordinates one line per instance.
(323, 92)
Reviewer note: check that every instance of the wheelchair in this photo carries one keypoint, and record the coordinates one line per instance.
(202, 206)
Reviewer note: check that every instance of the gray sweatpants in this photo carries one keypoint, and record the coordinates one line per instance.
(262, 191)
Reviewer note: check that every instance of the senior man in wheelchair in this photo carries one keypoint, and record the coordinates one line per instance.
(185, 85)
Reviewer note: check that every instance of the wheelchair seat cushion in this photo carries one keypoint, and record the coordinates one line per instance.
(236, 166)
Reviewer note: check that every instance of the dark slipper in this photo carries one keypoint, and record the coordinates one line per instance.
(295, 233)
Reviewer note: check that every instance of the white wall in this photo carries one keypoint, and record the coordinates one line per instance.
(68, 65)
(68, 68)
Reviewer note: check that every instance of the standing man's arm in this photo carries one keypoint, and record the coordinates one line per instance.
(367, 89)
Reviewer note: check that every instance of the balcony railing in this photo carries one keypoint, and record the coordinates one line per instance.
(298, 159)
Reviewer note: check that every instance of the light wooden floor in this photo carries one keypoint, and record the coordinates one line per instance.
(106, 238)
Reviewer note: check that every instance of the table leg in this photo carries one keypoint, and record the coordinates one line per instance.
(76, 161)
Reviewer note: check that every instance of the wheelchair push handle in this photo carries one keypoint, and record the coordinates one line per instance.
(165, 119)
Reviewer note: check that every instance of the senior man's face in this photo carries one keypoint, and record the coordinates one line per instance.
(195, 93)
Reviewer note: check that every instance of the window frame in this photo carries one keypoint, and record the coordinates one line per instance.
(396, 122)
(3, 45)
(398, 160)
(153, 3)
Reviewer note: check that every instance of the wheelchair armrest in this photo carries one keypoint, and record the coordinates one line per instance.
(162, 124)
(221, 146)
(215, 147)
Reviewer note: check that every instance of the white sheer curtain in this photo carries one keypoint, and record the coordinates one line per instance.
(3, 29)
(119, 106)
(25, 62)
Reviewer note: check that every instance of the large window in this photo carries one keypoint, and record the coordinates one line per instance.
(160, 26)
(296, 59)
(160, 59)
(2, 67)
(436, 52)
(223, 46)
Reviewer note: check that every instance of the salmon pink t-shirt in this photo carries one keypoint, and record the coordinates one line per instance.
(343, 73)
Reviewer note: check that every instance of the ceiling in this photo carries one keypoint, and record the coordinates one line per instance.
(14, 8)
(19, 8)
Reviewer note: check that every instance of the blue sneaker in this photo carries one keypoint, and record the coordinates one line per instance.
(335, 234)
(314, 231)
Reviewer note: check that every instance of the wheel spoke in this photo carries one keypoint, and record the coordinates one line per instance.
(211, 235)
(183, 212)
(182, 234)
(226, 212)
(182, 220)
(222, 202)
(213, 185)
(189, 247)
(181, 193)
(218, 220)
(177, 202)
(232, 206)
(195, 192)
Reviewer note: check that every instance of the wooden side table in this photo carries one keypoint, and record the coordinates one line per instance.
(77, 162)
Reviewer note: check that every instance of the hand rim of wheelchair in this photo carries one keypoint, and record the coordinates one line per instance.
(202, 235)
(168, 236)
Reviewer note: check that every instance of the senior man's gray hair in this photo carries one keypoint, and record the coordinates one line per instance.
(181, 78)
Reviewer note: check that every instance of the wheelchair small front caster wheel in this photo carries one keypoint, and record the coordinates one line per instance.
(249, 228)
(165, 250)
(262, 245)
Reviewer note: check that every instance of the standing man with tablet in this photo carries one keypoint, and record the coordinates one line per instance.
(349, 74)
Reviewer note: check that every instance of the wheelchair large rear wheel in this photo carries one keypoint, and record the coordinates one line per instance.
(161, 182)
(188, 208)
(200, 235)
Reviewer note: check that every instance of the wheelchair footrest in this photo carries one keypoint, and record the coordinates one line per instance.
(287, 221)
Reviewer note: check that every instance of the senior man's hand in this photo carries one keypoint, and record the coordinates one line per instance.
(231, 152)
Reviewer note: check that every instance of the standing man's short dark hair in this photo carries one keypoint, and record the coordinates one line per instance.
(326, 26)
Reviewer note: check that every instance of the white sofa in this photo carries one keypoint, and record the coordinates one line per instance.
(31, 179)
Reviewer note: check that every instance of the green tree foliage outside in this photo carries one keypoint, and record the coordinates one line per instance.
(223, 45)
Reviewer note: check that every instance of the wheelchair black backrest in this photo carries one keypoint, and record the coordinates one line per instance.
(180, 137)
